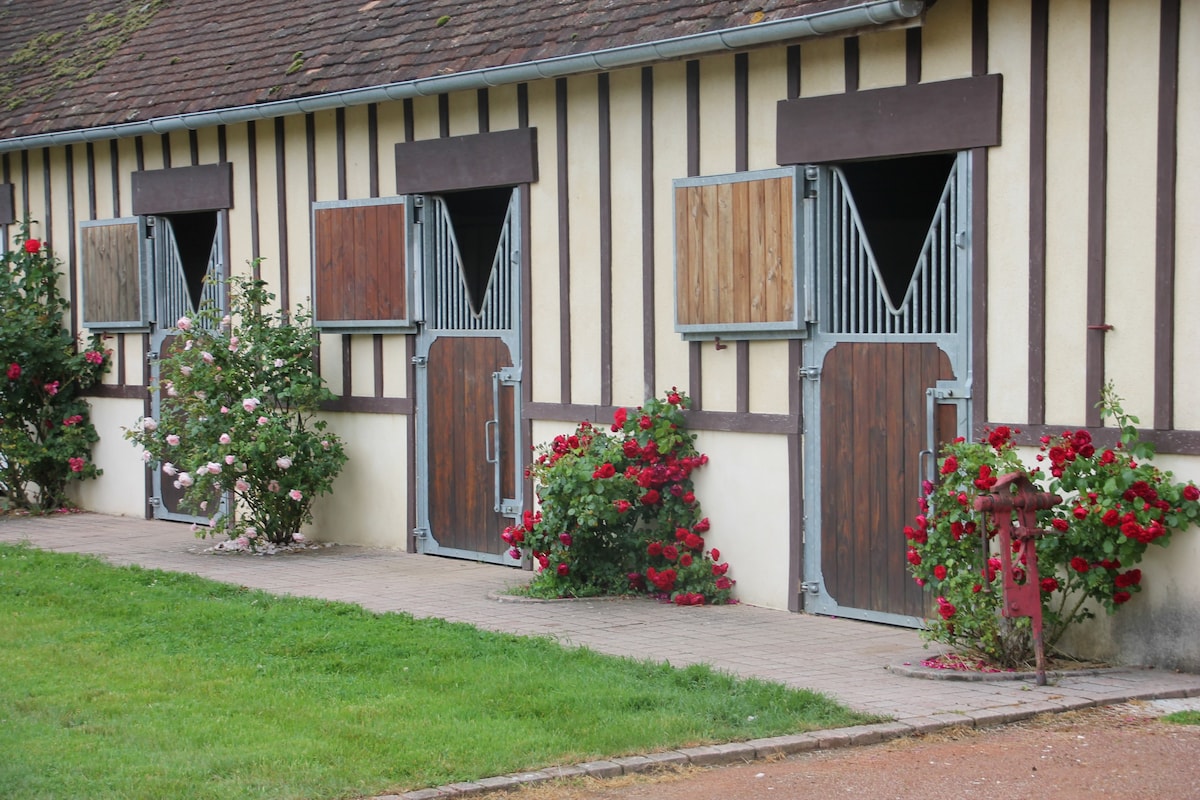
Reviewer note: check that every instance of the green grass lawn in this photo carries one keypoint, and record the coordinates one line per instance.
(132, 683)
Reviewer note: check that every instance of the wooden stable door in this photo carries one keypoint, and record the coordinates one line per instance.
(873, 425)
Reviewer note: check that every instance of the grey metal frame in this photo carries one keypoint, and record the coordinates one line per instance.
(172, 301)
(445, 311)
(145, 280)
(801, 302)
(411, 247)
(945, 265)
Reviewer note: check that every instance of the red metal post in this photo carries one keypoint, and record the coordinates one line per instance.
(1015, 492)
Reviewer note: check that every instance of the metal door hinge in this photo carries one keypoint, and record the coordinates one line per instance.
(420, 361)
(812, 373)
(811, 587)
(154, 502)
(810, 182)
(421, 533)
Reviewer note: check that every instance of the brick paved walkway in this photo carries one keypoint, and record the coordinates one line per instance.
(846, 659)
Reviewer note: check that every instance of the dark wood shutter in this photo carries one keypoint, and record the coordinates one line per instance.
(116, 284)
(361, 274)
(738, 271)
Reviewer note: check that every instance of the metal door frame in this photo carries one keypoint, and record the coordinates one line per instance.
(160, 251)
(436, 234)
(956, 345)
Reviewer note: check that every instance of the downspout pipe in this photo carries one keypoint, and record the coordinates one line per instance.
(821, 23)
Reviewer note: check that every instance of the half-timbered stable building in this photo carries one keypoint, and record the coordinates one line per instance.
(849, 229)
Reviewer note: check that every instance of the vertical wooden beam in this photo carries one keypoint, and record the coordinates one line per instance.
(481, 102)
(1039, 44)
(850, 48)
(912, 56)
(1165, 212)
(281, 210)
(741, 126)
(979, 234)
(606, 231)
(692, 115)
(1097, 209)
(564, 241)
(252, 177)
(649, 376)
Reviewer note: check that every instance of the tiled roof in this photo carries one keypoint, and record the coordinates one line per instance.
(76, 64)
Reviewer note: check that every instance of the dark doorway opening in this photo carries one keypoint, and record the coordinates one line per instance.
(478, 218)
(896, 200)
(195, 234)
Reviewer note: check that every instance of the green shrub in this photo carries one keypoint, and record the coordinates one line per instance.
(618, 511)
(46, 433)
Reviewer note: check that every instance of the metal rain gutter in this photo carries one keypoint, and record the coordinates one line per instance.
(821, 23)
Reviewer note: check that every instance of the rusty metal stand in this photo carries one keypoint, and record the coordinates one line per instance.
(1015, 492)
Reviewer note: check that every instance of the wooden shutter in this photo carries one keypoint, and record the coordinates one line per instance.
(361, 272)
(738, 273)
(115, 273)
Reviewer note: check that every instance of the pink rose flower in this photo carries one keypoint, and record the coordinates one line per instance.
(296, 495)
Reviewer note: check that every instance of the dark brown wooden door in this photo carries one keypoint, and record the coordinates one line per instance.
(469, 443)
(873, 428)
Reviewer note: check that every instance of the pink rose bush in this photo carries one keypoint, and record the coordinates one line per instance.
(618, 513)
(1115, 504)
(232, 423)
(46, 433)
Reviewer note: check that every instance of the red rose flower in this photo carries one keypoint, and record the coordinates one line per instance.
(32, 245)
(673, 398)
(685, 560)
(1191, 493)
(1060, 524)
(946, 608)
(14, 372)
(670, 553)
(644, 423)
(76, 464)
(1079, 565)
(939, 572)
(724, 583)
(605, 470)
(949, 465)
(1080, 512)
(650, 497)
(619, 417)
(1121, 597)
(1049, 585)
(563, 569)
(622, 506)
(565, 538)
(913, 557)
(701, 527)
(716, 554)
(654, 549)
(693, 541)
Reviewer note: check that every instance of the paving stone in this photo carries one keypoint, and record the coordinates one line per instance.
(703, 754)
(784, 745)
(634, 764)
(601, 769)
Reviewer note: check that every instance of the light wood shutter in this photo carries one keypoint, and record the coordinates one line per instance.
(115, 274)
(738, 273)
(361, 272)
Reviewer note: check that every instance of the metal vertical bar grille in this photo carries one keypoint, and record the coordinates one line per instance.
(174, 299)
(859, 302)
(450, 296)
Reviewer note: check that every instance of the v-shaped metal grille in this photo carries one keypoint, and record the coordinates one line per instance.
(859, 302)
(450, 294)
(174, 295)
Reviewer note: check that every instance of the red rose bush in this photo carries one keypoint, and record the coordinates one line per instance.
(1115, 504)
(618, 512)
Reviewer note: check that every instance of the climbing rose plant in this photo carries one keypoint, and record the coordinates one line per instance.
(46, 433)
(618, 512)
(238, 397)
(1115, 505)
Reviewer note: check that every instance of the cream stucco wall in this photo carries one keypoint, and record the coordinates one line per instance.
(369, 502)
(120, 489)
(744, 491)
